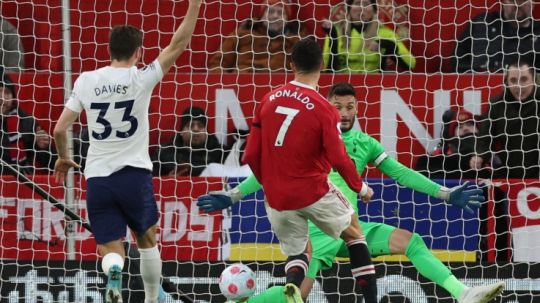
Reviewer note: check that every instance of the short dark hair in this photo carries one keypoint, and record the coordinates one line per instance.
(342, 89)
(307, 55)
(124, 41)
(193, 114)
(516, 62)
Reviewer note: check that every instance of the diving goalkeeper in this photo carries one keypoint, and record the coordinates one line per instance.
(382, 239)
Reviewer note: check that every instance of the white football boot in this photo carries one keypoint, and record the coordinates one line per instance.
(481, 294)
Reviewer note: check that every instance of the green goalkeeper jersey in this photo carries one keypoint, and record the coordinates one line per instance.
(273, 294)
(364, 149)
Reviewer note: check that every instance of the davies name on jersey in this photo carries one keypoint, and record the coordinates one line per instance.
(118, 88)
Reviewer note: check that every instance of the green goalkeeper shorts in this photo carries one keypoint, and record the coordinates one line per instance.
(326, 249)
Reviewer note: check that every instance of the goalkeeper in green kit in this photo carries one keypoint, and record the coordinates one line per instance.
(382, 239)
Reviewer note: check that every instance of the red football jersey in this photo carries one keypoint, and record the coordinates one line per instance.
(294, 142)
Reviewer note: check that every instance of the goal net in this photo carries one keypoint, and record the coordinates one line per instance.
(425, 111)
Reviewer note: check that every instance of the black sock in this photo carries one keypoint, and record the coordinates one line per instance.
(362, 269)
(296, 268)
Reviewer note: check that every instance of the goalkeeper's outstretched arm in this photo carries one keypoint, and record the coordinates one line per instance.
(181, 37)
(464, 196)
(218, 200)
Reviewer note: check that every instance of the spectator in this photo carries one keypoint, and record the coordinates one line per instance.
(455, 158)
(511, 128)
(360, 44)
(24, 143)
(493, 39)
(263, 44)
(191, 150)
(11, 49)
(232, 166)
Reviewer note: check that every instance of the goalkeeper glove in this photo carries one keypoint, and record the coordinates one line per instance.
(465, 196)
(218, 200)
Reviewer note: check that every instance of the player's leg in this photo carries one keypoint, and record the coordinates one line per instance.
(335, 217)
(362, 268)
(112, 265)
(150, 264)
(133, 267)
(315, 265)
(292, 231)
(414, 247)
(108, 227)
(140, 208)
(324, 251)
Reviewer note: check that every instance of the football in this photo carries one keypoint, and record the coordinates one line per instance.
(237, 282)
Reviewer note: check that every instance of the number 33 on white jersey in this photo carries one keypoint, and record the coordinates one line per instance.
(116, 102)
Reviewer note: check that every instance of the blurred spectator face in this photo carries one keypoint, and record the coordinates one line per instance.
(520, 81)
(361, 11)
(517, 10)
(466, 128)
(274, 18)
(6, 99)
(194, 134)
(346, 106)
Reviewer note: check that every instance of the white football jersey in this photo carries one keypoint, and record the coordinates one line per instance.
(116, 102)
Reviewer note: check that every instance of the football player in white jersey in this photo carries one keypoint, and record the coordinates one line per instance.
(118, 168)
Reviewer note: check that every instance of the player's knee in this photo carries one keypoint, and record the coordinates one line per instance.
(352, 232)
(415, 244)
(148, 239)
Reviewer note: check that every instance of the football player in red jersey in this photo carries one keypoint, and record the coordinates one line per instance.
(294, 142)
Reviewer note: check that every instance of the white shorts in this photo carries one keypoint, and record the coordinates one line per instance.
(332, 214)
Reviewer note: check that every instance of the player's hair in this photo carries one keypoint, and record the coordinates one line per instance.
(519, 63)
(307, 56)
(124, 41)
(342, 89)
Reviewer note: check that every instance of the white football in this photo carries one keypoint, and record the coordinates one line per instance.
(237, 282)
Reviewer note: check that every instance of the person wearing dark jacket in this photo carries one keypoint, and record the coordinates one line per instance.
(493, 39)
(24, 144)
(261, 44)
(455, 157)
(191, 150)
(511, 127)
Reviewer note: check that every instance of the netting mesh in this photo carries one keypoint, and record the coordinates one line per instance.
(414, 97)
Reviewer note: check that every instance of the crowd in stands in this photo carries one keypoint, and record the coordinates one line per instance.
(503, 142)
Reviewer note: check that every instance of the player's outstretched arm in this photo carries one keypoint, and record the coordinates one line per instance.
(63, 163)
(181, 37)
(218, 200)
(466, 196)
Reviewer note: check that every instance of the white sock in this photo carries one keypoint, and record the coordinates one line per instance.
(151, 272)
(111, 259)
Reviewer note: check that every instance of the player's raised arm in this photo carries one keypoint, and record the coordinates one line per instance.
(181, 37)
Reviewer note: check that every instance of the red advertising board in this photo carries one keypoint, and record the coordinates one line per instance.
(32, 229)
(524, 211)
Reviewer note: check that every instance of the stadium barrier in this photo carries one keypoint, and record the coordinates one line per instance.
(78, 281)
